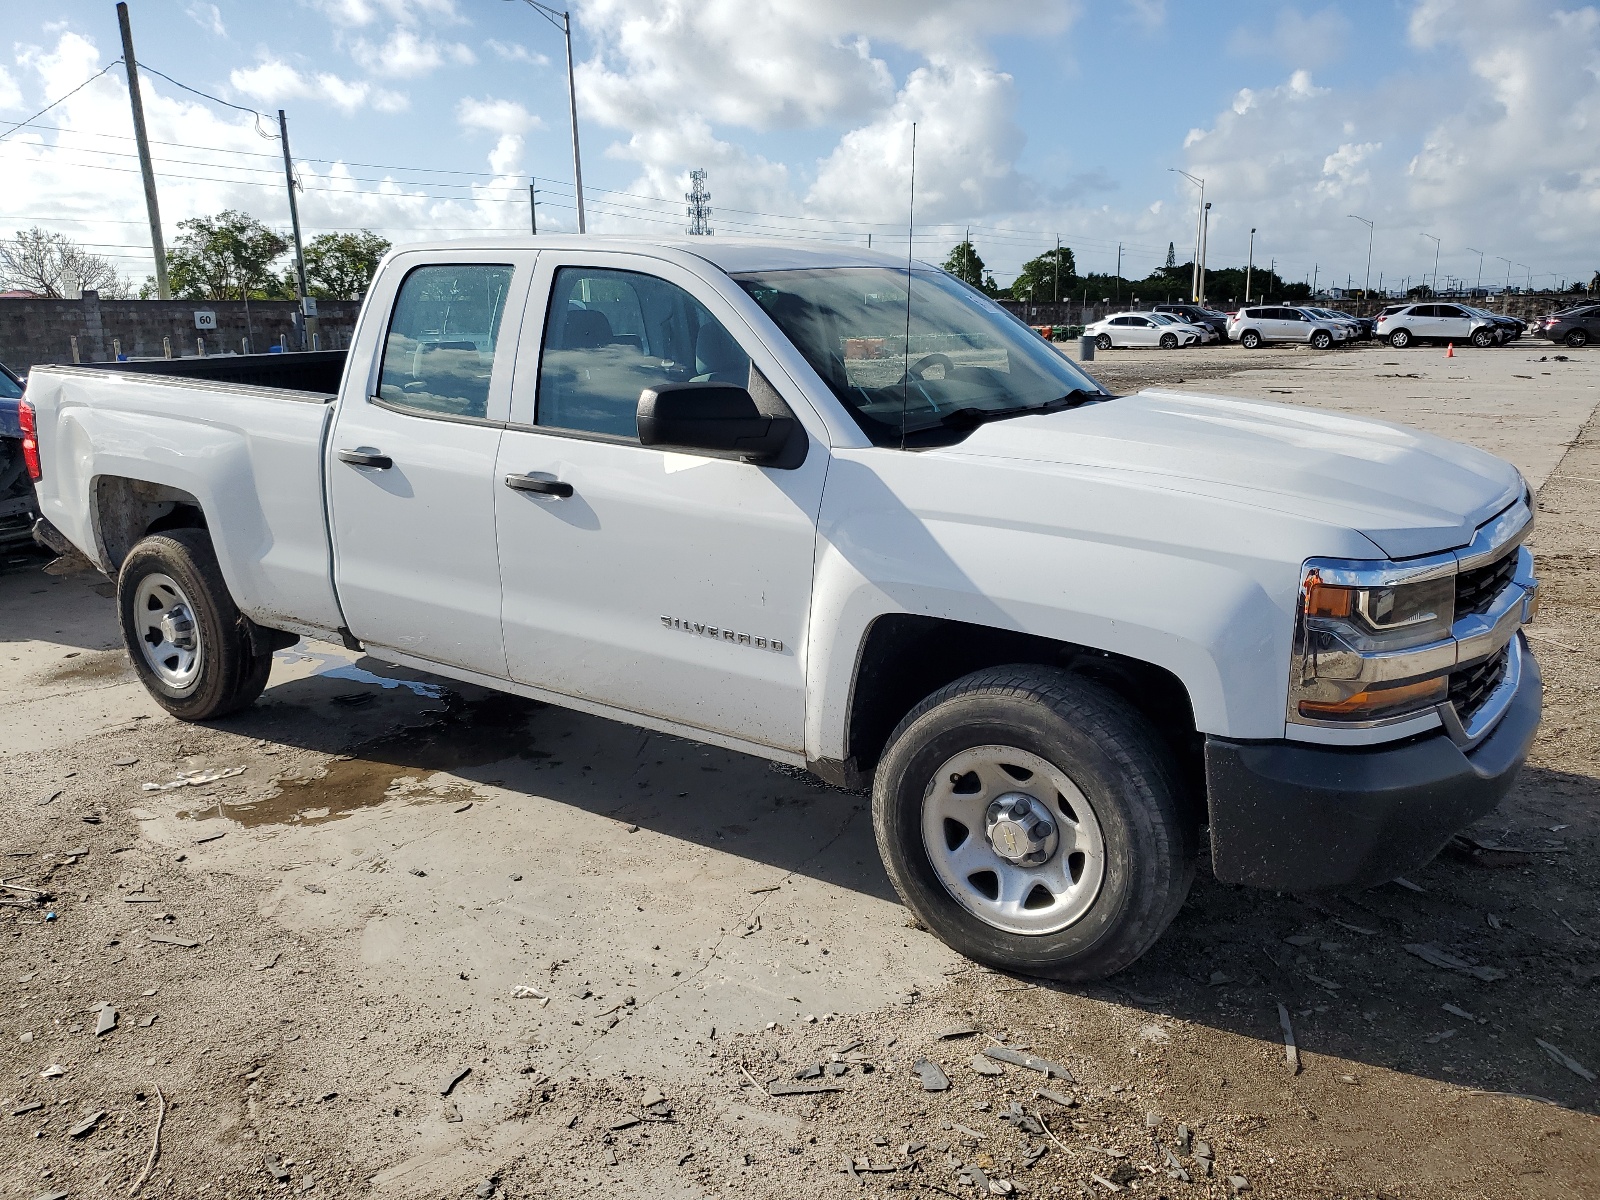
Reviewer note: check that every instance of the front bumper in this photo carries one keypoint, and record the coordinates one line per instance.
(1304, 818)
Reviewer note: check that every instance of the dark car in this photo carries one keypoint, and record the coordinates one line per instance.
(1195, 315)
(1364, 324)
(17, 505)
(1575, 326)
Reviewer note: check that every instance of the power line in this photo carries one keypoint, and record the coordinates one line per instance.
(62, 100)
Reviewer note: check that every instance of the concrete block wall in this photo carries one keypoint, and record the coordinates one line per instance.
(34, 331)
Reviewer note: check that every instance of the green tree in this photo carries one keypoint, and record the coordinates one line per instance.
(225, 257)
(1047, 277)
(339, 266)
(966, 264)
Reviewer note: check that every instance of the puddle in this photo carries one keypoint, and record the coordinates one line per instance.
(90, 666)
(468, 733)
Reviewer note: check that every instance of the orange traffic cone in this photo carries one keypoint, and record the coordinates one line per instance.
(1450, 352)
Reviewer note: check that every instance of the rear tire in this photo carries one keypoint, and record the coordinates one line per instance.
(1578, 338)
(1103, 342)
(189, 643)
(1119, 855)
(1400, 339)
(1249, 339)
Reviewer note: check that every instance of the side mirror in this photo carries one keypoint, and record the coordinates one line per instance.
(721, 419)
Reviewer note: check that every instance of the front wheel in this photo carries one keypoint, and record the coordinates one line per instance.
(1322, 339)
(1031, 820)
(1483, 338)
(1103, 342)
(188, 641)
(1400, 339)
(1578, 338)
(1169, 341)
(1249, 339)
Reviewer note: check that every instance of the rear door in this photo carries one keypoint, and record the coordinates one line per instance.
(411, 461)
(661, 583)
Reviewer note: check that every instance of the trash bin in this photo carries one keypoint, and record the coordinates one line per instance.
(1086, 348)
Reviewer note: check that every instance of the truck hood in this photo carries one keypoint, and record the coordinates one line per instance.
(1406, 491)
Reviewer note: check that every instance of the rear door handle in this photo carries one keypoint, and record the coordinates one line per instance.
(544, 487)
(366, 456)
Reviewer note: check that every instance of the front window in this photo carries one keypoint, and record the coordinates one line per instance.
(923, 372)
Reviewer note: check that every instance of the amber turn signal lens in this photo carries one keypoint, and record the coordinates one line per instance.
(1378, 702)
(1325, 600)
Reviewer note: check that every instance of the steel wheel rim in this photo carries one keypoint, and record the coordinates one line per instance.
(1021, 899)
(166, 632)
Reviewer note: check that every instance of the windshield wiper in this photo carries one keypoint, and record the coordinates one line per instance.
(971, 417)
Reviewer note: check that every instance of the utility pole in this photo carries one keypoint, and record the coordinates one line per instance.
(1435, 242)
(1314, 271)
(1505, 294)
(1199, 222)
(1119, 274)
(1057, 271)
(1205, 237)
(307, 305)
(1479, 253)
(533, 205)
(1272, 275)
(146, 168)
(1366, 286)
(563, 22)
(1250, 266)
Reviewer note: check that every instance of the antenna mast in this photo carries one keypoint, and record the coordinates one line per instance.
(699, 208)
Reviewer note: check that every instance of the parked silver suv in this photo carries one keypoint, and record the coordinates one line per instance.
(1400, 325)
(1252, 327)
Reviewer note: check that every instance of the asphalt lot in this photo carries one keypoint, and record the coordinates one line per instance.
(400, 854)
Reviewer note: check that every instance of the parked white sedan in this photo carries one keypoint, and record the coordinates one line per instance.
(1140, 330)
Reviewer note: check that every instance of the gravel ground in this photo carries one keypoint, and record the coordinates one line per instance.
(273, 1061)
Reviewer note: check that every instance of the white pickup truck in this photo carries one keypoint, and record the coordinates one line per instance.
(810, 505)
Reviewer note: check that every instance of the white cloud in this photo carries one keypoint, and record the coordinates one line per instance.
(208, 17)
(408, 56)
(358, 13)
(516, 52)
(274, 81)
(1152, 14)
(497, 116)
(1296, 38)
(10, 93)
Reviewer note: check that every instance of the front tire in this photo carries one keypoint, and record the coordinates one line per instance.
(187, 639)
(1322, 339)
(1483, 338)
(1169, 341)
(1031, 820)
(1249, 339)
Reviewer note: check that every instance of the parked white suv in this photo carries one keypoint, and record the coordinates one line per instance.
(1404, 324)
(1141, 329)
(1252, 327)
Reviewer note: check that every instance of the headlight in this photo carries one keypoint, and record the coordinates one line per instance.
(1357, 640)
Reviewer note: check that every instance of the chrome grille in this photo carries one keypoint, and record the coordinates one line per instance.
(1471, 686)
(1476, 589)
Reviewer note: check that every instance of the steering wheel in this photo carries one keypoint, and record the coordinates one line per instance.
(916, 369)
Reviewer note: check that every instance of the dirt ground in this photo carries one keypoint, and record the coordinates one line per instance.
(313, 965)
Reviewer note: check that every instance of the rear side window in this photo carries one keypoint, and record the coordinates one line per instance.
(611, 334)
(439, 352)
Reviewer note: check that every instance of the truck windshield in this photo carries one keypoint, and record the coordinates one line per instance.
(966, 360)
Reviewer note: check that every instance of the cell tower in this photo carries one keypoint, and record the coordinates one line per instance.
(699, 208)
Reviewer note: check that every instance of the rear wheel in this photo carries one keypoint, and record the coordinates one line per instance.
(1578, 338)
(1400, 339)
(1249, 339)
(187, 639)
(1322, 339)
(1031, 820)
(1169, 341)
(1103, 341)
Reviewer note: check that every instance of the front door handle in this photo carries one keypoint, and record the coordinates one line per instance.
(544, 487)
(366, 456)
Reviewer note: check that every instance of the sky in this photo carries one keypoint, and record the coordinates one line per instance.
(1476, 122)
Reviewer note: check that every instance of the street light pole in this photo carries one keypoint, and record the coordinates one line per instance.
(1505, 295)
(1366, 287)
(1205, 235)
(1435, 242)
(563, 22)
(1479, 253)
(1250, 265)
(1199, 227)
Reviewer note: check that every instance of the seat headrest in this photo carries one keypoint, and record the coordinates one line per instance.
(586, 329)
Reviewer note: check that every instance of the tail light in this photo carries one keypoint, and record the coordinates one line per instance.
(30, 441)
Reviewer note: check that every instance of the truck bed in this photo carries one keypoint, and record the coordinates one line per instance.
(125, 446)
(305, 371)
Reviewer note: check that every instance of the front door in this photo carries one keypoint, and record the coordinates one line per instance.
(666, 584)
(411, 460)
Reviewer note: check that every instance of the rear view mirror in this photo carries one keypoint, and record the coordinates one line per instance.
(716, 418)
